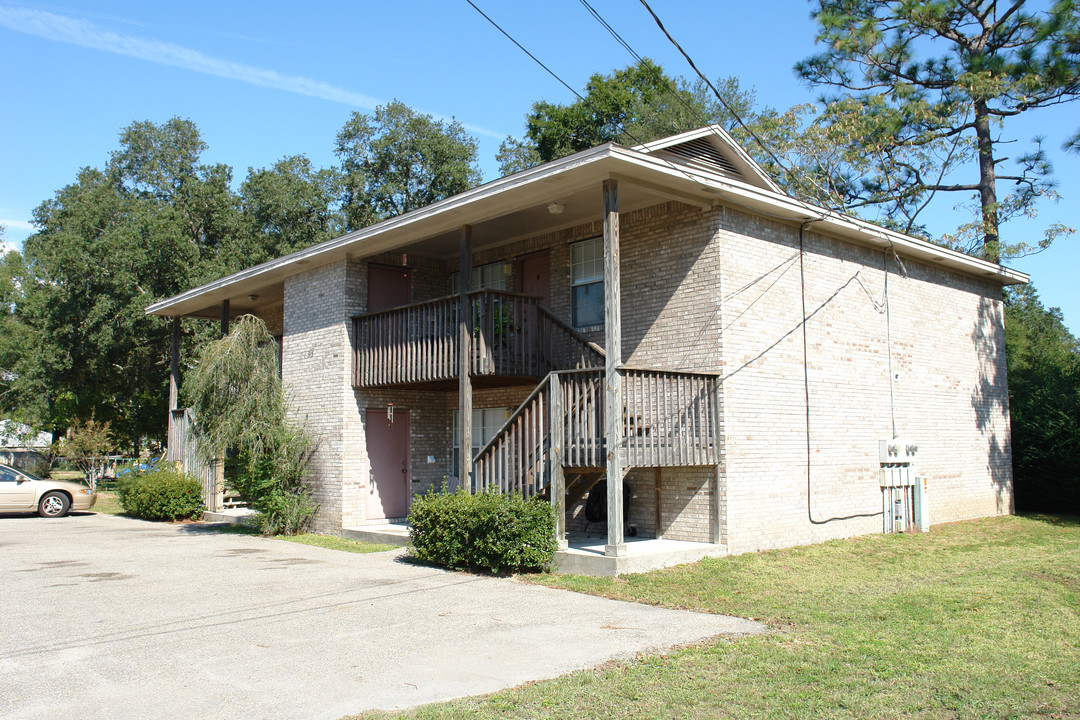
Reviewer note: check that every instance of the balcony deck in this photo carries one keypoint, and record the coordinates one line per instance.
(515, 340)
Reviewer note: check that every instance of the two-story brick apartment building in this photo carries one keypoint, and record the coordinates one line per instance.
(758, 349)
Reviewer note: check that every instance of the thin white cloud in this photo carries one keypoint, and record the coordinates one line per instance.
(17, 224)
(74, 31)
(15, 231)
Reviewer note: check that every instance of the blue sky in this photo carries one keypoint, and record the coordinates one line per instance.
(277, 79)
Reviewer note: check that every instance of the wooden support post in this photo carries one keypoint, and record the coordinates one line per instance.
(658, 485)
(217, 502)
(224, 318)
(718, 514)
(555, 423)
(173, 452)
(714, 508)
(613, 394)
(174, 367)
(463, 359)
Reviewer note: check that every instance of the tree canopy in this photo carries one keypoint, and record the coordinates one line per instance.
(285, 208)
(75, 341)
(641, 103)
(1044, 403)
(399, 160)
(925, 92)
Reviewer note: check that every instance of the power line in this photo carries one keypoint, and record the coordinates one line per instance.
(602, 21)
(708, 83)
(823, 193)
(522, 48)
(591, 106)
(672, 90)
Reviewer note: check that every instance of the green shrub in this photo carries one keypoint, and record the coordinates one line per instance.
(486, 530)
(274, 489)
(161, 495)
(241, 408)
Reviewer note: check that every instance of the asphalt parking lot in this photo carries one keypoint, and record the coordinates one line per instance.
(106, 617)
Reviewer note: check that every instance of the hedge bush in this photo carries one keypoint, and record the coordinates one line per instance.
(161, 495)
(482, 531)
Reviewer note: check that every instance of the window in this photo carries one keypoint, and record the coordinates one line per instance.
(493, 276)
(587, 282)
(485, 423)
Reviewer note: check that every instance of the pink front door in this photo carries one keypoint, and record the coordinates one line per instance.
(388, 453)
(388, 287)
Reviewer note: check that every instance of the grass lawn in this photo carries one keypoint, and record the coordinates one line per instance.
(976, 619)
(108, 503)
(333, 542)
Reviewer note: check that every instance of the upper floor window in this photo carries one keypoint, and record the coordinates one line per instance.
(587, 282)
(493, 276)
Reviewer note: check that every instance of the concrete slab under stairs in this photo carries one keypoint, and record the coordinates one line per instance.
(585, 555)
(234, 516)
(395, 533)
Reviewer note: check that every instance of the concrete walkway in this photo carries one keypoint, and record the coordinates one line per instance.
(105, 617)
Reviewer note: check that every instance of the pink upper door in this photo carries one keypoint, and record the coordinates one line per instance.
(388, 287)
(536, 277)
(388, 452)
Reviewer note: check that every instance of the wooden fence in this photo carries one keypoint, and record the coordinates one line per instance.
(671, 418)
(181, 450)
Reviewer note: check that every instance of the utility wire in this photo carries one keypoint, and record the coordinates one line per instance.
(522, 48)
(602, 21)
(708, 83)
(591, 106)
(673, 91)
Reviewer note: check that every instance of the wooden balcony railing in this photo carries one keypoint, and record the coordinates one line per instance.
(669, 419)
(513, 336)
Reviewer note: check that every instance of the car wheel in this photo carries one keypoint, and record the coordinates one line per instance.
(53, 505)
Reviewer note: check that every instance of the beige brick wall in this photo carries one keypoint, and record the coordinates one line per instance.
(720, 291)
(950, 393)
(316, 367)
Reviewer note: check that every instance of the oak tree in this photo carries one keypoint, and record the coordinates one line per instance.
(399, 159)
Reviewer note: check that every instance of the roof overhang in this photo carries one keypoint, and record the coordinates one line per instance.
(516, 206)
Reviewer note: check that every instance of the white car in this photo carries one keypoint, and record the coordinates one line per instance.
(22, 492)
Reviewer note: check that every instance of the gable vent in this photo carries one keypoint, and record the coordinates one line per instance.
(703, 151)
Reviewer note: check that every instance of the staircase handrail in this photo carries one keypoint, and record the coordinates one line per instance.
(566, 327)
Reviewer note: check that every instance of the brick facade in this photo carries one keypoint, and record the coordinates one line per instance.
(720, 291)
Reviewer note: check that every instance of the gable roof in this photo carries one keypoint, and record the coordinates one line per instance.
(515, 207)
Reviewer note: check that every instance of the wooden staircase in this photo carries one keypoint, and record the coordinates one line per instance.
(556, 439)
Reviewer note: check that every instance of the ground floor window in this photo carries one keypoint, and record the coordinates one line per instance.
(485, 423)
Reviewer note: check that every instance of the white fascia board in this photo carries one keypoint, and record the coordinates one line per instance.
(785, 207)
